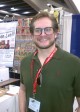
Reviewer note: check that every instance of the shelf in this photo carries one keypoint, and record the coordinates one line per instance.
(21, 40)
(23, 43)
(7, 82)
(20, 27)
(23, 34)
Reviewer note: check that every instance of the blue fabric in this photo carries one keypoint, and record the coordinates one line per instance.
(75, 35)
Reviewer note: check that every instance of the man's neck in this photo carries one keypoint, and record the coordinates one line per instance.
(44, 53)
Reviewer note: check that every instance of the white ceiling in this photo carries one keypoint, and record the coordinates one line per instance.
(33, 6)
(67, 5)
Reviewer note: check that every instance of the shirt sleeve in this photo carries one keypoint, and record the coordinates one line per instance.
(21, 76)
(77, 83)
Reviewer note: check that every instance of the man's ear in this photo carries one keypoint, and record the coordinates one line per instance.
(56, 36)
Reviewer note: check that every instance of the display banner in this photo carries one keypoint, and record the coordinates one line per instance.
(7, 43)
(75, 35)
(71, 34)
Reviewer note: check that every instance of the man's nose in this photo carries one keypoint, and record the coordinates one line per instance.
(43, 32)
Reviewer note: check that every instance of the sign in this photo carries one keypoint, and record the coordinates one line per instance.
(7, 43)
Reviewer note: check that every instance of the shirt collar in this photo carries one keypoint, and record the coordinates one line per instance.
(58, 55)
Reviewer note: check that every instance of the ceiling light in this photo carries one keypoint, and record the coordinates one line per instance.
(14, 9)
(1, 20)
(48, 4)
(26, 12)
(77, 3)
(2, 5)
(2, 11)
(16, 14)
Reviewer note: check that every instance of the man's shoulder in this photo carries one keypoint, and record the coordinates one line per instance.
(27, 58)
(69, 56)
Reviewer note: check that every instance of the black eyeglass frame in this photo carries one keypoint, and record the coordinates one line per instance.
(43, 29)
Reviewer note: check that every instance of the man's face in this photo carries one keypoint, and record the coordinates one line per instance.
(43, 34)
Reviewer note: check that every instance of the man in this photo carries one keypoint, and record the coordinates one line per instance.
(50, 77)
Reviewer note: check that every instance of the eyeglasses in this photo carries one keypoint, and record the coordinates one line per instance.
(47, 31)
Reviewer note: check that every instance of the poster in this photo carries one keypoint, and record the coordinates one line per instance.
(7, 43)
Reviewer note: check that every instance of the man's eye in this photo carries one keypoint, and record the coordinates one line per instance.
(48, 29)
(37, 30)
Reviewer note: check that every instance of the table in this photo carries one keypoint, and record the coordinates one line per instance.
(7, 82)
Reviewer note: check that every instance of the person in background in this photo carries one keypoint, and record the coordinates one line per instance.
(49, 77)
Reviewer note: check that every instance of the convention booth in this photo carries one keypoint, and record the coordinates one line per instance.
(16, 43)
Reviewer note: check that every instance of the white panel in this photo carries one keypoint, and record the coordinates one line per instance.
(4, 74)
(67, 32)
(8, 104)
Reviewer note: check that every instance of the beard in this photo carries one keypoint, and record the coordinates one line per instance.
(47, 46)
